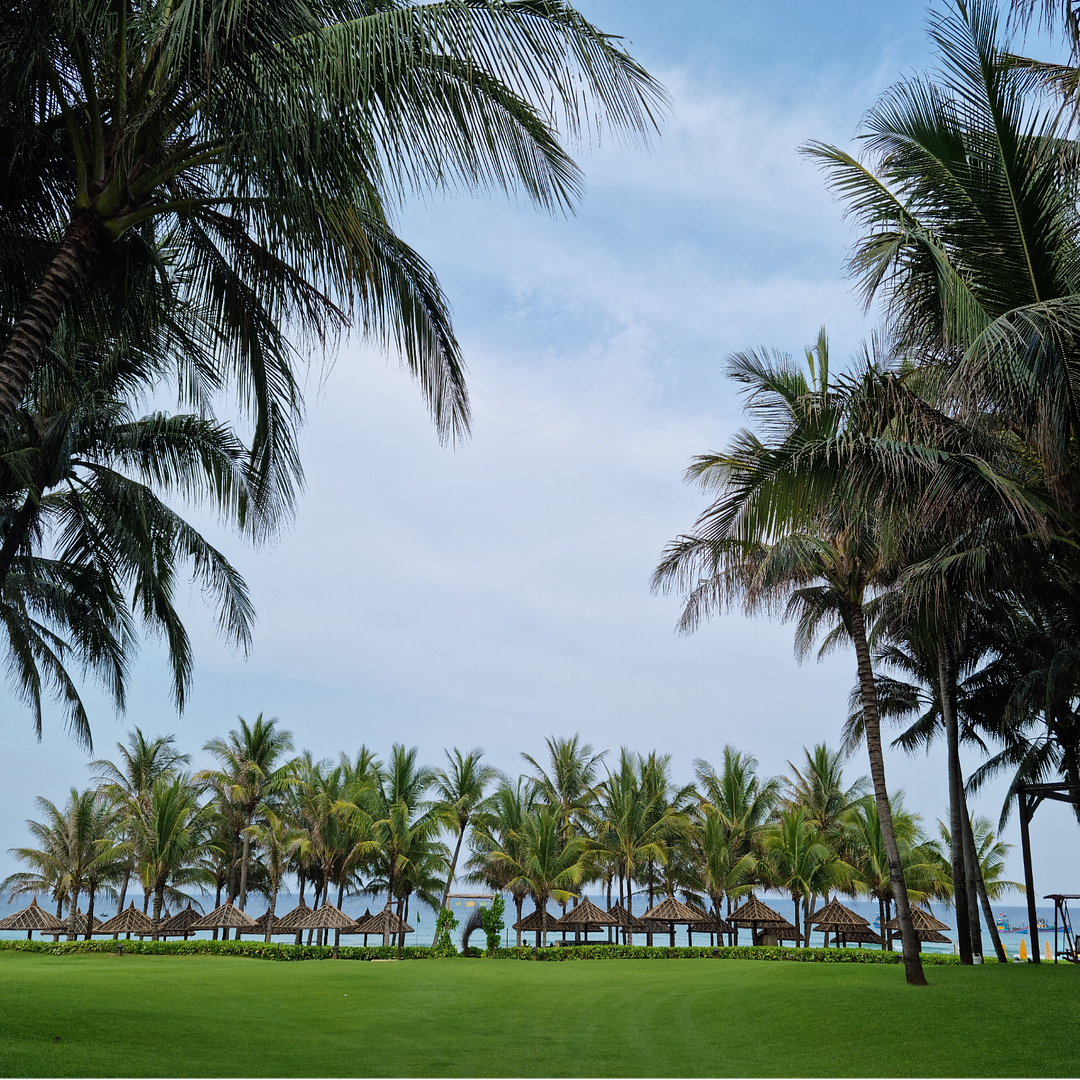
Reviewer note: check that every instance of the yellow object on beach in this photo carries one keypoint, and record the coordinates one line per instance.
(1023, 949)
(1049, 955)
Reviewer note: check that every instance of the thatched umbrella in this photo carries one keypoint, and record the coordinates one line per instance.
(670, 911)
(386, 922)
(926, 926)
(711, 924)
(289, 923)
(180, 924)
(586, 916)
(225, 917)
(860, 937)
(625, 921)
(834, 918)
(77, 924)
(328, 917)
(359, 927)
(756, 915)
(539, 923)
(33, 918)
(129, 921)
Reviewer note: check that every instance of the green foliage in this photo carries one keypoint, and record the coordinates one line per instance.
(447, 922)
(491, 919)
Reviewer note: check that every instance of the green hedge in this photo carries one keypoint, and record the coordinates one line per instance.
(260, 950)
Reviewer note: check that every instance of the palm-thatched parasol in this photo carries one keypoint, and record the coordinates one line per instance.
(180, 924)
(129, 921)
(630, 924)
(586, 916)
(33, 918)
(926, 926)
(538, 922)
(259, 929)
(785, 931)
(386, 922)
(670, 912)
(756, 915)
(834, 918)
(860, 937)
(226, 917)
(328, 917)
(77, 924)
(289, 923)
(711, 924)
(358, 928)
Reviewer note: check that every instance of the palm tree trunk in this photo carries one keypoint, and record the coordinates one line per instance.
(630, 908)
(90, 911)
(881, 921)
(159, 896)
(988, 912)
(217, 904)
(270, 912)
(42, 314)
(946, 691)
(123, 896)
(74, 907)
(340, 901)
(244, 868)
(519, 900)
(913, 970)
(20, 529)
(453, 866)
(971, 870)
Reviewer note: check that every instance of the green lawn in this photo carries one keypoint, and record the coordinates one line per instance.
(218, 1016)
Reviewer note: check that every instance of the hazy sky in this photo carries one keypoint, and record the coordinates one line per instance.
(496, 593)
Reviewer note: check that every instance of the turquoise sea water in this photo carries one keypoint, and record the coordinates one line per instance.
(423, 920)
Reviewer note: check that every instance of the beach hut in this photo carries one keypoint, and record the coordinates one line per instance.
(79, 924)
(834, 918)
(670, 912)
(629, 924)
(179, 925)
(538, 924)
(710, 924)
(129, 921)
(226, 917)
(757, 916)
(289, 923)
(586, 916)
(386, 922)
(33, 918)
(927, 928)
(326, 918)
(359, 927)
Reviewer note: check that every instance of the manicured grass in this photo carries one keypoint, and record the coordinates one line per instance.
(218, 1016)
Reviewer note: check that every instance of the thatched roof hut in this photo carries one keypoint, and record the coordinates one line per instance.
(328, 917)
(76, 924)
(537, 922)
(226, 917)
(128, 921)
(923, 922)
(672, 911)
(755, 914)
(621, 917)
(179, 925)
(586, 916)
(711, 923)
(33, 918)
(835, 917)
(383, 922)
(289, 923)
(860, 937)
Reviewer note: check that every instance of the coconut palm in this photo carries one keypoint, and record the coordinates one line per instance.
(278, 841)
(461, 791)
(570, 782)
(252, 773)
(543, 861)
(266, 144)
(817, 786)
(792, 532)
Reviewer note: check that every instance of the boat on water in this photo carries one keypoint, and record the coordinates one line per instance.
(1005, 927)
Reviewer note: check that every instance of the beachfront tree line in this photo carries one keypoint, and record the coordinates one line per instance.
(923, 505)
(402, 833)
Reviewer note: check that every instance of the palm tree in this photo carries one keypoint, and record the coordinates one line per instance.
(267, 145)
(252, 772)
(802, 861)
(792, 532)
(461, 791)
(499, 828)
(278, 841)
(570, 783)
(170, 838)
(543, 862)
(818, 788)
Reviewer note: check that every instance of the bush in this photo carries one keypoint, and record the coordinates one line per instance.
(260, 950)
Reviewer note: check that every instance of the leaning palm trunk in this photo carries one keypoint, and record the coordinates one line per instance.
(42, 314)
(971, 869)
(90, 912)
(453, 868)
(946, 685)
(872, 724)
(244, 869)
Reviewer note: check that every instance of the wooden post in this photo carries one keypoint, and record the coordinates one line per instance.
(1025, 841)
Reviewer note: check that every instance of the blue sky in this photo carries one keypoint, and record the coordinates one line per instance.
(498, 593)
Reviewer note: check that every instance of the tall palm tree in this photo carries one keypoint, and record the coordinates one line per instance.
(544, 862)
(570, 781)
(278, 840)
(268, 143)
(252, 772)
(791, 532)
(461, 791)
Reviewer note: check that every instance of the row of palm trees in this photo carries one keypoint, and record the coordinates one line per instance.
(397, 830)
(924, 506)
